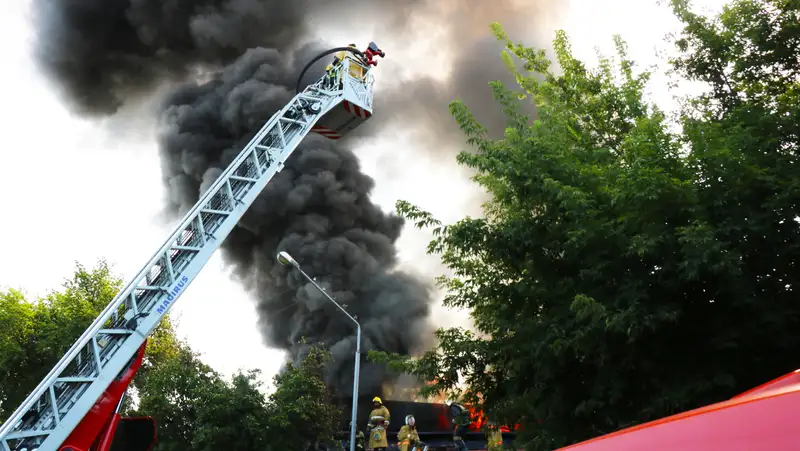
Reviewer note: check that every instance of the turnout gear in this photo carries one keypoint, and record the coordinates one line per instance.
(408, 437)
(331, 68)
(330, 80)
(379, 420)
(338, 57)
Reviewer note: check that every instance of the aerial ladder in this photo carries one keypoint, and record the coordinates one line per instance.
(76, 407)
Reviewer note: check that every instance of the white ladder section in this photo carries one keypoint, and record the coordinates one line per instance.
(58, 404)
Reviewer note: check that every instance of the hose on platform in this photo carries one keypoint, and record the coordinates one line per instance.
(355, 51)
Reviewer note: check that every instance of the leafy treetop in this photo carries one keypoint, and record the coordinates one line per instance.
(622, 272)
(194, 406)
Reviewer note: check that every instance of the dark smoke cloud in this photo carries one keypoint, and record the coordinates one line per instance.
(422, 103)
(318, 209)
(104, 54)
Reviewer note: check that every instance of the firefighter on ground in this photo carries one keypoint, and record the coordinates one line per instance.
(359, 439)
(408, 437)
(378, 424)
(461, 421)
(494, 437)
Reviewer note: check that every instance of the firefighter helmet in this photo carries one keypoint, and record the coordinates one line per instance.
(377, 399)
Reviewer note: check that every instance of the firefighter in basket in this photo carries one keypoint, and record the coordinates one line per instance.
(378, 424)
(331, 69)
(408, 437)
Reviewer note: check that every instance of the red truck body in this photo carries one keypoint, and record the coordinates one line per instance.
(764, 418)
(99, 428)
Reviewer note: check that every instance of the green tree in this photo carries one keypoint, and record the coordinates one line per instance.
(302, 411)
(35, 335)
(622, 273)
(16, 326)
(198, 409)
(195, 407)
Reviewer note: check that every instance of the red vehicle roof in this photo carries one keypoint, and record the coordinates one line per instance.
(764, 418)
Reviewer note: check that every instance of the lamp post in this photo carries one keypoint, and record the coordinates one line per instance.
(286, 260)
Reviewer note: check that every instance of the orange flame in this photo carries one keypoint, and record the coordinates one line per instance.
(437, 398)
(480, 421)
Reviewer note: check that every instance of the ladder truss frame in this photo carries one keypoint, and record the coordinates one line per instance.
(59, 403)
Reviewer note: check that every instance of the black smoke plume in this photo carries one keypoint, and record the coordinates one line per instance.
(105, 53)
(317, 209)
(421, 103)
(231, 64)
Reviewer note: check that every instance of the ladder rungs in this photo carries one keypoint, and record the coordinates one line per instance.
(75, 379)
(267, 148)
(115, 331)
(242, 179)
(215, 212)
(186, 248)
(26, 434)
(293, 121)
(150, 288)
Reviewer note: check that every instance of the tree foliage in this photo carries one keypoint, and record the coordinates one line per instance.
(302, 411)
(195, 407)
(622, 272)
(34, 336)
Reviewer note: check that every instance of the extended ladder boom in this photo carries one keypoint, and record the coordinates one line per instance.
(59, 403)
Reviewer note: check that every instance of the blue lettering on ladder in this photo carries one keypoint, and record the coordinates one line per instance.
(173, 293)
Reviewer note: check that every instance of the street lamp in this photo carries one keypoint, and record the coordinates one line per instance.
(286, 260)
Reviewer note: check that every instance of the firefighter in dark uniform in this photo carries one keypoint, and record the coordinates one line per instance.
(461, 421)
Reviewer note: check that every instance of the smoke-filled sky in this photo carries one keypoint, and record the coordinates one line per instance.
(246, 54)
(100, 55)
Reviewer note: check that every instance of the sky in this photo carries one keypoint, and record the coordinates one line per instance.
(79, 191)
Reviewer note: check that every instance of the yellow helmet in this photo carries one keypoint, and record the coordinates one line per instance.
(377, 399)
